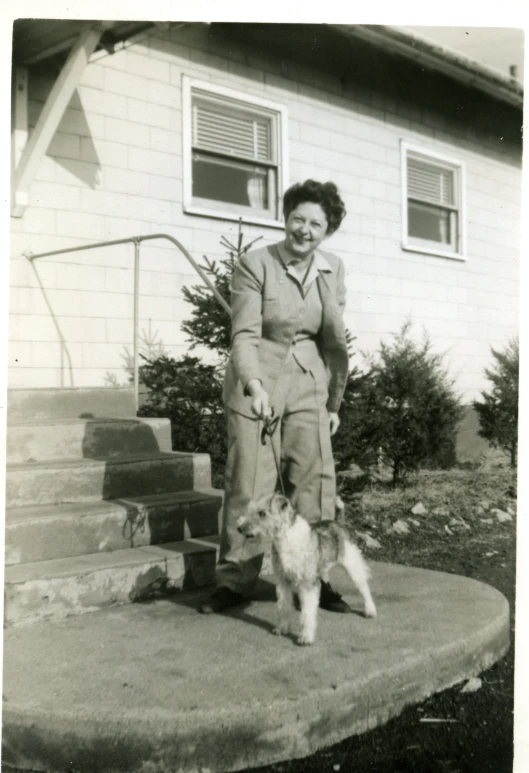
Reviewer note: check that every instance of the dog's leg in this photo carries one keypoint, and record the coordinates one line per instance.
(356, 568)
(309, 599)
(285, 608)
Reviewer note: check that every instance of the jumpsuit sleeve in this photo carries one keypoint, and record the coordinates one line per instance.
(246, 322)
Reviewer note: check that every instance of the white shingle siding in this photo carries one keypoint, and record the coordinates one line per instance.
(114, 169)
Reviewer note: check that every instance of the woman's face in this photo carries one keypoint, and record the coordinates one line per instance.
(305, 229)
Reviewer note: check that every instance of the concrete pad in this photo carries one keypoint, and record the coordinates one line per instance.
(152, 688)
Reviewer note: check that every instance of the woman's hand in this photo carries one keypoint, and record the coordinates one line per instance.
(260, 399)
(334, 422)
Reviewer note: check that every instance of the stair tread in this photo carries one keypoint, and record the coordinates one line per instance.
(77, 565)
(97, 461)
(41, 512)
(92, 420)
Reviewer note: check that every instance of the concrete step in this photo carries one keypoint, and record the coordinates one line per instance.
(38, 441)
(69, 403)
(66, 586)
(157, 687)
(44, 532)
(88, 480)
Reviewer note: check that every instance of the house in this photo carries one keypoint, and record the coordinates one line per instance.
(126, 128)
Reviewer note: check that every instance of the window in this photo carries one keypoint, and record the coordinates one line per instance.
(433, 214)
(234, 154)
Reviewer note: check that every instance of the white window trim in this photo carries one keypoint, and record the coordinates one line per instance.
(283, 173)
(462, 253)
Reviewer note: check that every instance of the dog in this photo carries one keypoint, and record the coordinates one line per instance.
(302, 555)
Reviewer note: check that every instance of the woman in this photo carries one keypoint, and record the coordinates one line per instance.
(288, 355)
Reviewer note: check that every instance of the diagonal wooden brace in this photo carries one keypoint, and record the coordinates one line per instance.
(51, 115)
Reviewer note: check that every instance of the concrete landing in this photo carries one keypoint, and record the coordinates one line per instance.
(156, 687)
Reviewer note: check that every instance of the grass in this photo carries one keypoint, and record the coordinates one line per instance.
(467, 540)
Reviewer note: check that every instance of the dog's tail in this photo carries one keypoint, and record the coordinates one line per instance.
(339, 505)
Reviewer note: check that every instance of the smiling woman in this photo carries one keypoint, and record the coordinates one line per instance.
(288, 359)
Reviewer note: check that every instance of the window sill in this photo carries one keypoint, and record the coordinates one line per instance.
(218, 214)
(438, 253)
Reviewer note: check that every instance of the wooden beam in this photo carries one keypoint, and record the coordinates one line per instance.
(20, 112)
(51, 115)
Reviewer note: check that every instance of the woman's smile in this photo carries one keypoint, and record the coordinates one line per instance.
(305, 229)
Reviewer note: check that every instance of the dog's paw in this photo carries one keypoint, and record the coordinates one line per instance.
(370, 610)
(282, 629)
(304, 640)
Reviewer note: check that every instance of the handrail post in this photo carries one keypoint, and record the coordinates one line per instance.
(136, 322)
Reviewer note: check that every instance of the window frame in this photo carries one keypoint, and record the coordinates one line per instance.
(224, 210)
(454, 164)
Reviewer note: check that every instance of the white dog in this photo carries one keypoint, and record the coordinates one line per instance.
(302, 555)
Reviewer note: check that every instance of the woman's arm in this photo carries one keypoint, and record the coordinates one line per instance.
(246, 321)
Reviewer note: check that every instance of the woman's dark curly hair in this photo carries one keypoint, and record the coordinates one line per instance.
(324, 194)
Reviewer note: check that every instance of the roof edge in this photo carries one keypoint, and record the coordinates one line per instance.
(436, 57)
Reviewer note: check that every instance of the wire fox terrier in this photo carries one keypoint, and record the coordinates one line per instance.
(302, 555)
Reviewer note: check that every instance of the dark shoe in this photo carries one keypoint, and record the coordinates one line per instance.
(331, 600)
(220, 599)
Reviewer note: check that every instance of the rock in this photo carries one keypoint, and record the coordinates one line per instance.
(488, 521)
(400, 527)
(479, 510)
(459, 522)
(369, 541)
(472, 685)
(419, 509)
(449, 530)
(415, 523)
(510, 510)
(484, 504)
(501, 515)
(441, 510)
(352, 472)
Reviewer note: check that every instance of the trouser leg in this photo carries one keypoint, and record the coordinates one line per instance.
(250, 473)
(306, 449)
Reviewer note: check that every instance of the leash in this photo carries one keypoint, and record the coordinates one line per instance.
(270, 424)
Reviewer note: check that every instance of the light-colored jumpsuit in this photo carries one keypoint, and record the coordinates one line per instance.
(292, 338)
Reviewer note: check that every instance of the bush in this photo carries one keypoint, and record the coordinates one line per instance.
(498, 413)
(405, 412)
(188, 393)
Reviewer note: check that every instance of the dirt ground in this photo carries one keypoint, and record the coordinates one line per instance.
(458, 534)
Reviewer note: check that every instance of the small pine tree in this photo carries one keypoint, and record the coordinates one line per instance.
(410, 410)
(209, 324)
(498, 413)
(350, 443)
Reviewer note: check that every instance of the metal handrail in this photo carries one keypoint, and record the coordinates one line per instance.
(136, 240)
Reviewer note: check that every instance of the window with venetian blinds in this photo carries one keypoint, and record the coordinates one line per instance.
(433, 201)
(234, 155)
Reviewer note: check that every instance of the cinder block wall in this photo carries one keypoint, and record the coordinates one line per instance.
(114, 169)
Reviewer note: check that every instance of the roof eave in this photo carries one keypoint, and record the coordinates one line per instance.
(434, 57)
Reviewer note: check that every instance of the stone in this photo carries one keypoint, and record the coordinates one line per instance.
(369, 541)
(484, 504)
(501, 515)
(441, 510)
(419, 509)
(400, 527)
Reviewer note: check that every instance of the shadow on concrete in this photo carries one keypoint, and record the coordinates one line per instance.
(64, 354)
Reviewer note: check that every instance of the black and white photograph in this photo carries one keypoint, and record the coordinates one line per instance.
(263, 490)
